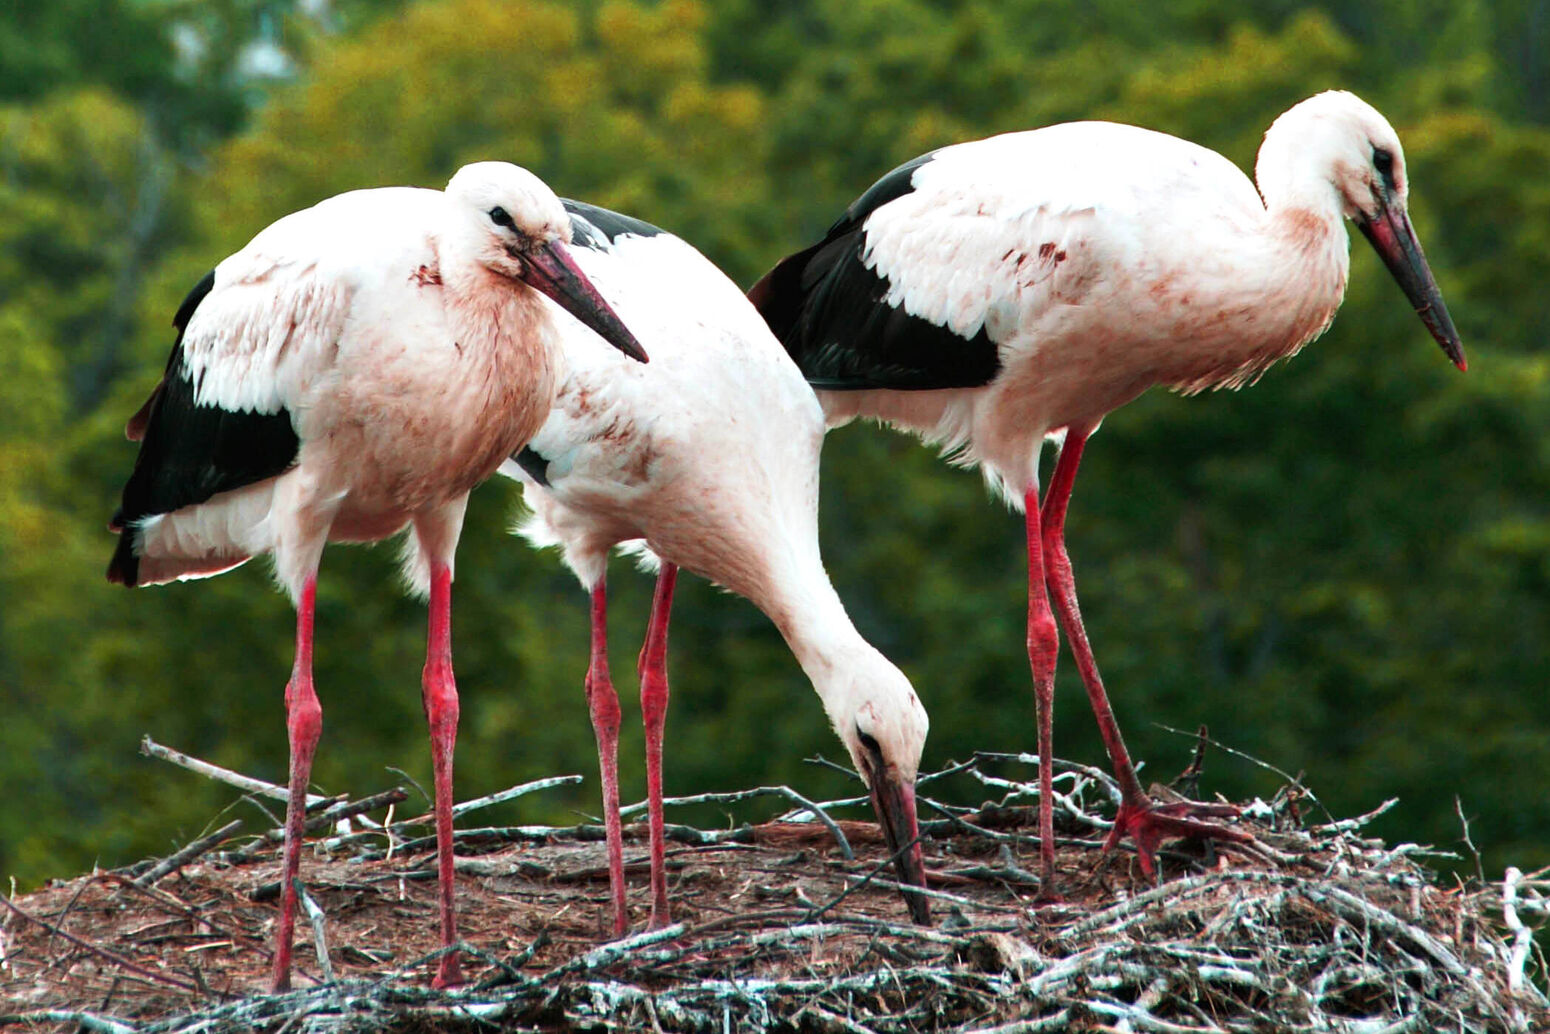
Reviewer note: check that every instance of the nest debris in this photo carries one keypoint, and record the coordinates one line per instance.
(790, 925)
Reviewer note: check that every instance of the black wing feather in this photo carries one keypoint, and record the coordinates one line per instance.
(192, 451)
(597, 228)
(828, 309)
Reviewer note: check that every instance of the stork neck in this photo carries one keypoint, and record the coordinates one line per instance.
(825, 642)
(1295, 173)
(1307, 251)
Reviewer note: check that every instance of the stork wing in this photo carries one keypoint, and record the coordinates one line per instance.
(253, 337)
(930, 276)
(190, 450)
(837, 318)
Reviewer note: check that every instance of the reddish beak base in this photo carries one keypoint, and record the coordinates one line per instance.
(895, 806)
(552, 270)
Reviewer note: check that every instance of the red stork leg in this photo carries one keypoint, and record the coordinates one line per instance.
(1043, 648)
(439, 694)
(1139, 816)
(653, 706)
(303, 725)
(603, 704)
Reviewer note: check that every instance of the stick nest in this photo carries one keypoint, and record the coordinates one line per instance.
(1326, 929)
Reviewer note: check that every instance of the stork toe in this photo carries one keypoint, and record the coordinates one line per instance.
(1148, 823)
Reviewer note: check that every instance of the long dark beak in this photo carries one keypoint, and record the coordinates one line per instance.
(1393, 238)
(895, 806)
(551, 269)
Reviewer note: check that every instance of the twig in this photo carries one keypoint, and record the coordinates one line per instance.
(608, 954)
(823, 762)
(350, 809)
(1474, 852)
(953, 768)
(328, 817)
(1522, 936)
(1251, 759)
(319, 935)
(150, 748)
(939, 895)
(1353, 905)
(149, 974)
(1115, 917)
(1187, 782)
(412, 781)
(962, 824)
(760, 791)
(166, 900)
(510, 970)
(88, 1021)
(1353, 824)
(831, 1021)
(852, 888)
(188, 853)
(509, 794)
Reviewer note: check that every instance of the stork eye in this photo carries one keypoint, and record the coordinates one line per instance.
(500, 217)
(1383, 161)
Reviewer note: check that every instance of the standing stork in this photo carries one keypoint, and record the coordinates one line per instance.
(709, 460)
(991, 294)
(356, 370)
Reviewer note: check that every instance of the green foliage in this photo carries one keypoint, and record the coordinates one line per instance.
(1342, 569)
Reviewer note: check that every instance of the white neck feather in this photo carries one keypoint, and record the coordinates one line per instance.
(846, 671)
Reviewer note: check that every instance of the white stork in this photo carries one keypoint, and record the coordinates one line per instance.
(994, 293)
(709, 459)
(356, 370)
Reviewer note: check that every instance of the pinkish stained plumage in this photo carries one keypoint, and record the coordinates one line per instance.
(353, 372)
(1156, 262)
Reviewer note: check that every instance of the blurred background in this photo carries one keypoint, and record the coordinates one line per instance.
(1344, 570)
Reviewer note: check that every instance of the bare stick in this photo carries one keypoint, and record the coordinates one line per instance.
(1522, 936)
(509, 794)
(150, 748)
(1350, 825)
(759, 791)
(608, 954)
(319, 936)
(328, 817)
(87, 1021)
(860, 882)
(1474, 852)
(831, 1020)
(939, 895)
(189, 852)
(349, 809)
(1349, 903)
(149, 974)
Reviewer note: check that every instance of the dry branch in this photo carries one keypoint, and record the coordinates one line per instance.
(509, 794)
(188, 853)
(150, 748)
(319, 932)
(806, 806)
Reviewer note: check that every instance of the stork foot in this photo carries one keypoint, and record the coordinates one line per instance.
(449, 973)
(1149, 823)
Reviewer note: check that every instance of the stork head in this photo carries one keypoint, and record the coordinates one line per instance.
(883, 726)
(518, 228)
(1337, 142)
